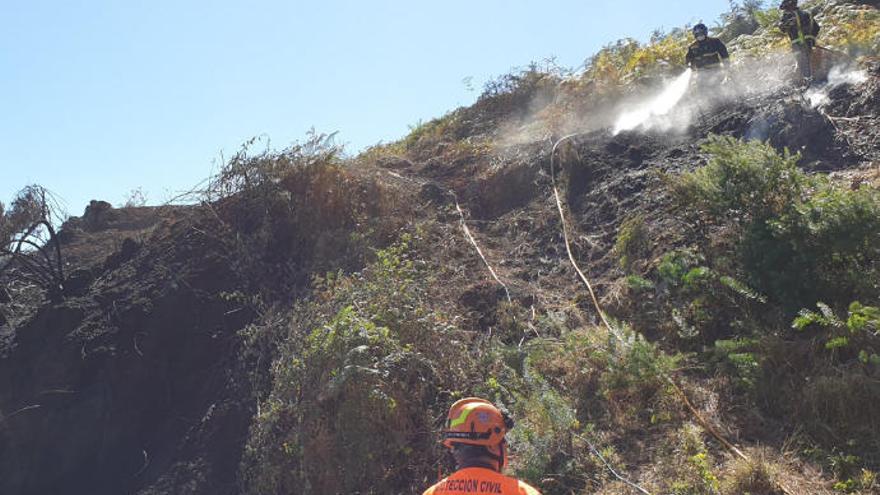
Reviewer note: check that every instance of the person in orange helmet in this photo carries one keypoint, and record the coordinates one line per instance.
(475, 431)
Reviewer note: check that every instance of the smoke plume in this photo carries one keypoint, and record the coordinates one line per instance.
(654, 112)
(838, 76)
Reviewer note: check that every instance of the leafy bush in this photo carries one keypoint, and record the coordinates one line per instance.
(852, 477)
(858, 33)
(834, 404)
(858, 334)
(675, 265)
(769, 18)
(627, 60)
(628, 374)
(558, 388)
(738, 358)
(663, 52)
(632, 242)
(697, 474)
(800, 239)
(356, 387)
(703, 304)
(826, 248)
(743, 183)
(545, 427)
(426, 134)
(637, 284)
(742, 18)
(634, 381)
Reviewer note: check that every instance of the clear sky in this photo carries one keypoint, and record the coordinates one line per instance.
(99, 97)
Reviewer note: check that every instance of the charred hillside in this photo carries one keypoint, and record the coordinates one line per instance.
(304, 324)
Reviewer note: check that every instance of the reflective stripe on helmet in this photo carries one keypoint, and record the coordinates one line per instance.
(467, 435)
(466, 411)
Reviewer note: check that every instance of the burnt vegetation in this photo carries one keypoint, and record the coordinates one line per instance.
(300, 322)
(31, 251)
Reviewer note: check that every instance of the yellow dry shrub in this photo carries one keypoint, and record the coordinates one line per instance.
(667, 51)
(608, 67)
(627, 60)
(859, 33)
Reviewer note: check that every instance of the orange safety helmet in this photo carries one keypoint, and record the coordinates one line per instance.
(475, 421)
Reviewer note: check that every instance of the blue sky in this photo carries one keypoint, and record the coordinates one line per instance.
(102, 97)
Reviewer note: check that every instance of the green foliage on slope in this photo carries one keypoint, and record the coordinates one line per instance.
(805, 242)
(802, 239)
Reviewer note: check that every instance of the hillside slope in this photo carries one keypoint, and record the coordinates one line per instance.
(305, 326)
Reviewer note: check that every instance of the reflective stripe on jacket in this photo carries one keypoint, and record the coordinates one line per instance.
(478, 481)
(800, 27)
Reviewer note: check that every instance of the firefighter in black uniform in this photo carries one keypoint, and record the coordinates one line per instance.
(801, 29)
(707, 57)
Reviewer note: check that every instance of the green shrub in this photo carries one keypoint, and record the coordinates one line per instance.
(836, 405)
(545, 425)
(428, 133)
(696, 465)
(559, 387)
(627, 60)
(355, 387)
(514, 91)
(632, 242)
(704, 305)
(638, 284)
(769, 19)
(676, 264)
(740, 19)
(737, 358)
(858, 32)
(827, 248)
(743, 183)
(798, 239)
(526, 381)
(632, 379)
(858, 335)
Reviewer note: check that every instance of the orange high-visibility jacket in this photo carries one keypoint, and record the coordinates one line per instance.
(478, 481)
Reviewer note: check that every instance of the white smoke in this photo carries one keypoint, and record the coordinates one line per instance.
(671, 108)
(653, 112)
(838, 76)
(679, 102)
(817, 97)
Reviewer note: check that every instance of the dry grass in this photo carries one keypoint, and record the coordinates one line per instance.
(756, 476)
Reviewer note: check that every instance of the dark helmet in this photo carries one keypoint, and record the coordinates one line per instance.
(788, 4)
(700, 30)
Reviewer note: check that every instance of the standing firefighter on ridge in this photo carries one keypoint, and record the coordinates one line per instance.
(475, 431)
(706, 56)
(801, 29)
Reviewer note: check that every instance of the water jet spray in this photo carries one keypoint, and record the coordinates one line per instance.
(659, 106)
